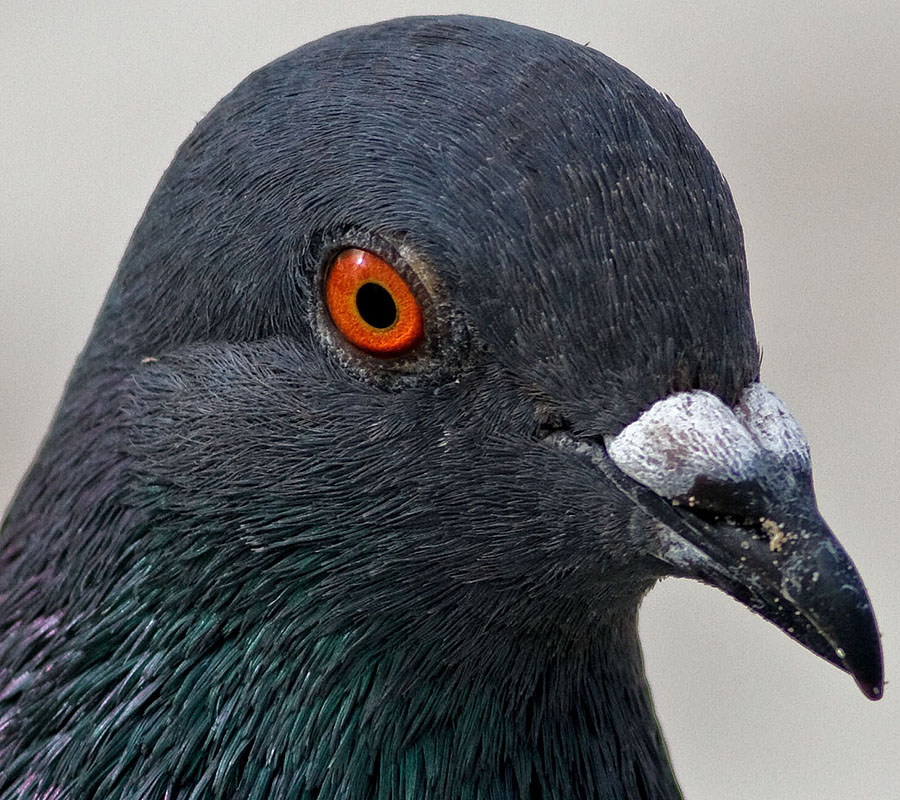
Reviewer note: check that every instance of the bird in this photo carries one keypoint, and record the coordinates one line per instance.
(431, 354)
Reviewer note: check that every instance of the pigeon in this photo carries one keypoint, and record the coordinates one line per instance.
(431, 354)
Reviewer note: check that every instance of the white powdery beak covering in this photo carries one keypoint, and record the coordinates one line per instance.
(689, 435)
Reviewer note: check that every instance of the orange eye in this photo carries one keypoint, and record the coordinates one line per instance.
(372, 305)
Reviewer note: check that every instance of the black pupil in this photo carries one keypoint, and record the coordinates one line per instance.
(376, 306)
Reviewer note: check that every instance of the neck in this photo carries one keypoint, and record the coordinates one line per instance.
(576, 724)
(267, 715)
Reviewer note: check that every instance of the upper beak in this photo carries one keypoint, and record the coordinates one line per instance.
(731, 490)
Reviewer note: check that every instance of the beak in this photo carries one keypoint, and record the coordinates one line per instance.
(730, 493)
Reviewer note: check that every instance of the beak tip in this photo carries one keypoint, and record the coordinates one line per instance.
(870, 679)
(873, 691)
(863, 657)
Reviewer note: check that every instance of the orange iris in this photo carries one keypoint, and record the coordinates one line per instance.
(371, 305)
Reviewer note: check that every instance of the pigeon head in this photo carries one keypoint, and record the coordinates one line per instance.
(431, 353)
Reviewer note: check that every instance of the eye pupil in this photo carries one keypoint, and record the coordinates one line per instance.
(376, 305)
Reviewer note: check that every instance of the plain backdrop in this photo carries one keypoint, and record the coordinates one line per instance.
(800, 105)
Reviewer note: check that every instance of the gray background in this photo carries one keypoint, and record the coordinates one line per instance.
(799, 104)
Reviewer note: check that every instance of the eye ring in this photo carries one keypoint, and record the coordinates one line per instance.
(371, 305)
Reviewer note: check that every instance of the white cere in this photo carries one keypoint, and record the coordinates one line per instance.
(769, 422)
(682, 437)
(694, 434)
